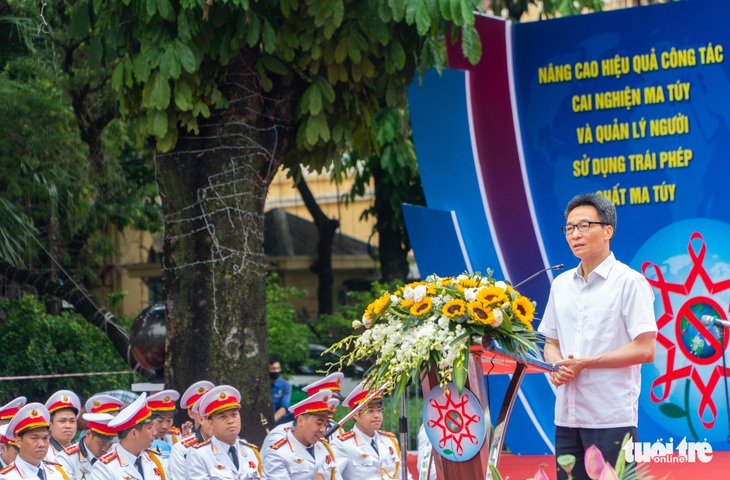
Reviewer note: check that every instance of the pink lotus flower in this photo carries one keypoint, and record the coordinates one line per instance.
(608, 473)
(540, 475)
(594, 463)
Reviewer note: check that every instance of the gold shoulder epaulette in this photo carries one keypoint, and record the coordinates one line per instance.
(251, 445)
(7, 469)
(72, 449)
(278, 444)
(108, 457)
(190, 441)
(174, 431)
(387, 434)
(346, 436)
(198, 445)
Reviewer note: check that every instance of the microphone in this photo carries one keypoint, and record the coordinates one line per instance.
(710, 320)
(559, 266)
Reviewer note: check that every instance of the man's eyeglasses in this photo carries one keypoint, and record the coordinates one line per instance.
(581, 226)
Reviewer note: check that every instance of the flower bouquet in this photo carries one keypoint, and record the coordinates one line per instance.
(432, 324)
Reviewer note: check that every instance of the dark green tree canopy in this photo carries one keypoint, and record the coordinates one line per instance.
(337, 57)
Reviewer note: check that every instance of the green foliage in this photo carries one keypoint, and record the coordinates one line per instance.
(288, 340)
(338, 56)
(548, 8)
(38, 344)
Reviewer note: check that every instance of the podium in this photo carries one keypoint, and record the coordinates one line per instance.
(494, 361)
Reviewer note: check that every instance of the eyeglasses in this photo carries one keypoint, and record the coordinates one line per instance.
(581, 226)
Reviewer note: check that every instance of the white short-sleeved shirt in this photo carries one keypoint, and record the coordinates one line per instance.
(592, 317)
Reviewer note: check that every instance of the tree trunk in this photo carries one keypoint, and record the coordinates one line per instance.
(326, 227)
(392, 248)
(213, 188)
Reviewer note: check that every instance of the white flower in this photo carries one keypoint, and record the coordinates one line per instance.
(470, 294)
(415, 294)
(356, 324)
(500, 284)
(498, 317)
(394, 300)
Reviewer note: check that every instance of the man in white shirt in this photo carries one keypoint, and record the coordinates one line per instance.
(30, 430)
(78, 459)
(303, 453)
(131, 457)
(366, 452)
(600, 327)
(224, 455)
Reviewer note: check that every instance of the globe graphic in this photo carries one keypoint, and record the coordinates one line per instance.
(693, 341)
(677, 413)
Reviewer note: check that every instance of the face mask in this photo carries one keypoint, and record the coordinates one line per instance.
(274, 375)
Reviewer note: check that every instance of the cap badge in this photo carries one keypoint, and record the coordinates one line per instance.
(201, 389)
(222, 396)
(166, 399)
(65, 399)
(34, 414)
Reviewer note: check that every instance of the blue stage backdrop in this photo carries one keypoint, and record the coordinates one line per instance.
(633, 104)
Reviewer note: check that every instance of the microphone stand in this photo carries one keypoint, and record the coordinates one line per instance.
(724, 374)
(559, 266)
(336, 426)
(403, 423)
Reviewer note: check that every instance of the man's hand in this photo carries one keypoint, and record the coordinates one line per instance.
(562, 376)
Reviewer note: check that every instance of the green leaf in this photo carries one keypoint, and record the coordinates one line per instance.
(159, 96)
(448, 451)
(183, 27)
(151, 7)
(166, 10)
(79, 26)
(398, 8)
(471, 46)
(183, 95)
(672, 411)
(166, 143)
(314, 99)
(96, 51)
(186, 56)
(159, 123)
(328, 93)
(269, 37)
(118, 76)
(254, 31)
(170, 63)
(423, 19)
(461, 369)
(274, 65)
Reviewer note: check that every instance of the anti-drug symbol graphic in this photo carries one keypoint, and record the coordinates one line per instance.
(454, 423)
(696, 342)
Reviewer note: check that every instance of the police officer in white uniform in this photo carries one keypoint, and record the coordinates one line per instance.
(131, 457)
(366, 452)
(224, 455)
(8, 411)
(78, 459)
(303, 453)
(189, 401)
(331, 382)
(64, 407)
(30, 430)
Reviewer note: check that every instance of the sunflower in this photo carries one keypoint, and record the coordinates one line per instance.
(492, 295)
(405, 303)
(381, 304)
(524, 310)
(454, 308)
(421, 308)
(480, 312)
(465, 283)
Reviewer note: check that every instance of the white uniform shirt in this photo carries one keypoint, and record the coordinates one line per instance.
(357, 459)
(76, 465)
(22, 470)
(592, 317)
(274, 435)
(210, 459)
(120, 464)
(288, 459)
(178, 458)
(425, 452)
